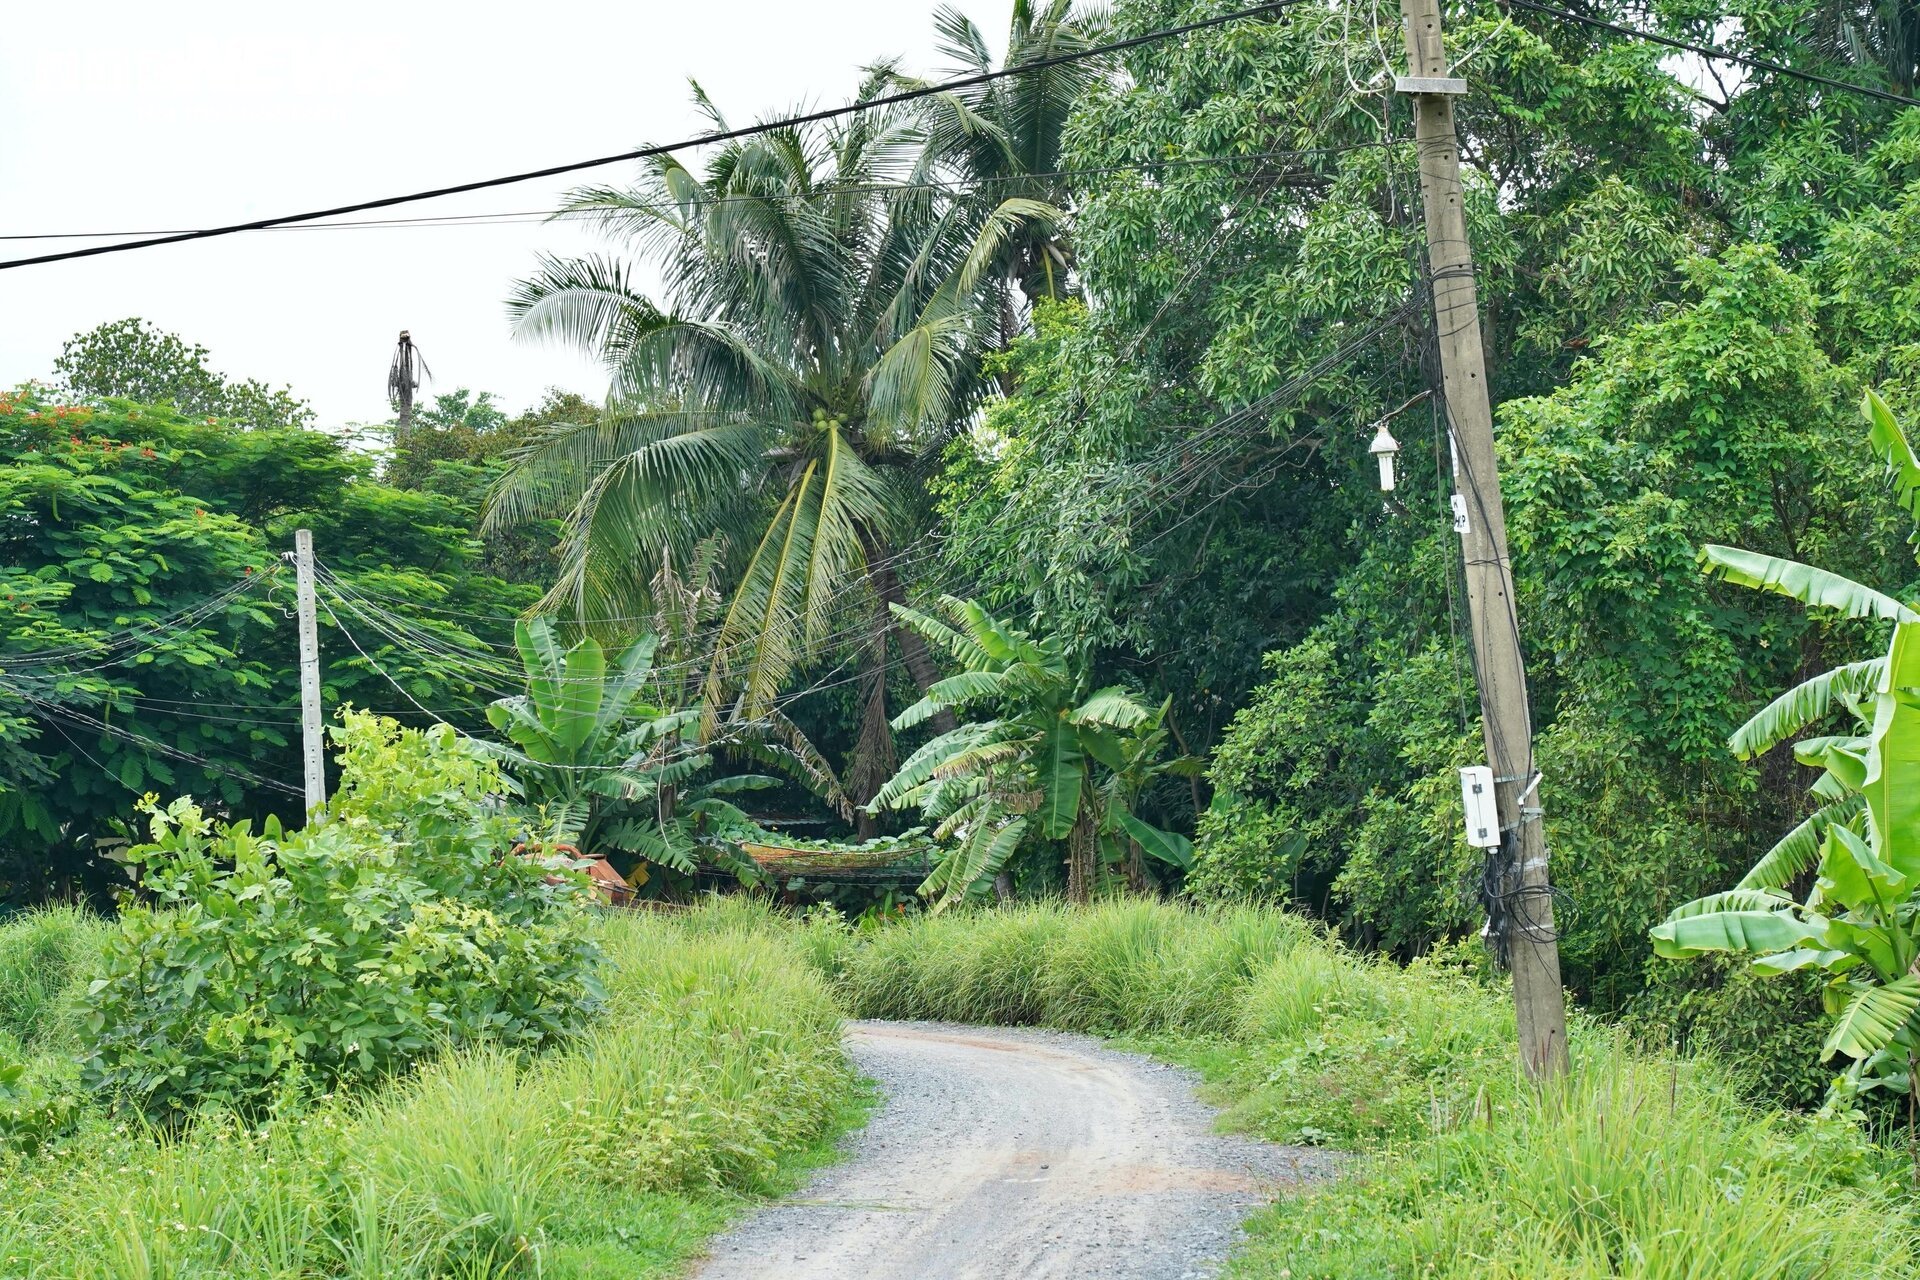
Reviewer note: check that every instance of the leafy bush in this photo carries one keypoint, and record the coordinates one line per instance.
(715, 1062)
(31, 1113)
(270, 966)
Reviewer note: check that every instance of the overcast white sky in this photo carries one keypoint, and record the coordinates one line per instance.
(117, 115)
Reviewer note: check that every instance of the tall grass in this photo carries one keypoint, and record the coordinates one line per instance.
(46, 958)
(1638, 1165)
(718, 1059)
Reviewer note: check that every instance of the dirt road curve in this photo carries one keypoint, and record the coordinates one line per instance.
(1012, 1154)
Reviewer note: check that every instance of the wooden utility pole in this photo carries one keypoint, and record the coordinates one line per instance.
(1523, 896)
(312, 748)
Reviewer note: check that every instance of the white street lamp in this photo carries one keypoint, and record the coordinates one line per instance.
(1384, 448)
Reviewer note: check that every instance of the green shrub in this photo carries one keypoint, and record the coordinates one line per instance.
(273, 966)
(715, 1060)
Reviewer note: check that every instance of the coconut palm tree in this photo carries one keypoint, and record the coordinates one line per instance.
(1001, 142)
(813, 344)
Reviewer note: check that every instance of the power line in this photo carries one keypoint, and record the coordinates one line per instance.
(957, 186)
(1708, 51)
(707, 139)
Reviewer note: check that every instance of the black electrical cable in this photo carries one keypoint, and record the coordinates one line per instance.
(707, 139)
(1708, 51)
(954, 187)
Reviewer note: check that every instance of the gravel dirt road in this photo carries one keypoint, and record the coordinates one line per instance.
(1001, 1154)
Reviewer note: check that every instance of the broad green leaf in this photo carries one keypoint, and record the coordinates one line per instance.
(960, 647)
(979, 857)
(1798, 850)
(1864, 938)
(1891, 781)
(1166, 846)
(582, 690)
(1003, 642)
(1852, 875)
(1803, 704)
(541, 655)
(1870, 1019)
(1805, 957)
(1739, 899)
(1061, 769)
(1802, 582)
(630, 672)
(1113, 707)
(945, 695)
(1889, 444)
(1844, 757)
(1759, 932)
(920, 766)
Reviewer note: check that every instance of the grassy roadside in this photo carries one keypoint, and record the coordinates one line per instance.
(1642, 1165)
(715, 1076)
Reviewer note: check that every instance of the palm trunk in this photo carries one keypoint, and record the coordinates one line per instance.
(873, 756)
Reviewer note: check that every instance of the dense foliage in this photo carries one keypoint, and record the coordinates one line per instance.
(713, 1067)
(266, 968)
(1099, 348)
(132, 359)
(146, 640)
(1860, 919)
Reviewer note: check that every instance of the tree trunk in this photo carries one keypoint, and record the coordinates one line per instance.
(1082, 856)
(873, 757)
(1135, 869)
(1003, 887)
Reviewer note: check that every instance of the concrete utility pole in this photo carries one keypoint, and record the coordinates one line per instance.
(1523, 894)
(312, 746)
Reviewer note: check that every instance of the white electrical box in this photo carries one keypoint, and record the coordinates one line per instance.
(1483, 815)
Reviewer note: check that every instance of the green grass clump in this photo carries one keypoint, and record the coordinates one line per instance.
(715, 1072)
(1639, 1164)
(1130, 966)
(47, 956)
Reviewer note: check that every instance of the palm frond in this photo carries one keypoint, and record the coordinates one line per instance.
(999, 234)
(584, 302)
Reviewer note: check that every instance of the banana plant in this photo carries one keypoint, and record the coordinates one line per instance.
(1859, 922)
(601, 767)
(1048, 759)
